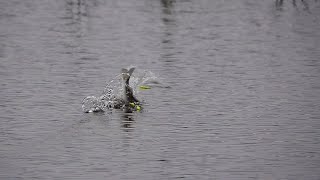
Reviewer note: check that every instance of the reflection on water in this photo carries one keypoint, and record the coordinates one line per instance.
(304, 3)
(168, 20)
(127, 118)
(76, 20)
(169, 47)
(167, 6)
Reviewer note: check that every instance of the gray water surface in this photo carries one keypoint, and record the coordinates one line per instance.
(237, 95)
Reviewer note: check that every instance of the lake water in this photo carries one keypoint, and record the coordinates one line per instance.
(237, 94)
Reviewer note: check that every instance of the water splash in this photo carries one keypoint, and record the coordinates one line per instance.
(112, 95)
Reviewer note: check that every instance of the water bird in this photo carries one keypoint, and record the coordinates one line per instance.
(108, 100)
(130, 101)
